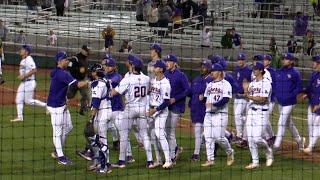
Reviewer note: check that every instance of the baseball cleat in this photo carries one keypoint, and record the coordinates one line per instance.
(54, 155)
(150, 165)
(64, 161)
(195, 157)
(230, 159)
(130, 160)
(252, 166)
(94, 166)
(208, 163)
(157, 164)
(178, 151)
(86, 154)
(120, 165)
(16, 120)
(105, 170)
(167, 165)
(307, 150)
(269, 162)
(301, 144)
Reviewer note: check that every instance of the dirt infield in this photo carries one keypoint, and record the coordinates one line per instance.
(289, 148)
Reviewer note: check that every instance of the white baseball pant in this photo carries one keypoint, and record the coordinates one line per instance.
(267, 131)
(239, 108)
(286, 121)
(101, 124)
(171, 124)
(61, 126)
(313, 128)
(159, 130)
(198, 128)
(112, 125)
(127, 117)
(256, 123)
(214, 132)
(25, 94)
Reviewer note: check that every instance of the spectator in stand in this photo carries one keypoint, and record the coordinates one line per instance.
(273, 46)
(236, 39)
(126, 46)
(108, 35)
(45, 5)
(20, 38)
(153, 16)
(226, 40)
(300, 24)
(315, 5)
(203, 7)
(206, 37)
(308, 43)
(164, 14)
(146, 8)
(3, 30)
(52, 38)
(177, 18)
(292, 45)
(60, 5)
(186, 8)
(139, 10)
(32, 5)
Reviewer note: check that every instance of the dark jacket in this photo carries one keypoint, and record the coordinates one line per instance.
(76, 62)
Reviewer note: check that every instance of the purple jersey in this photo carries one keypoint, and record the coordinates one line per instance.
(241, 74)
(60, 81)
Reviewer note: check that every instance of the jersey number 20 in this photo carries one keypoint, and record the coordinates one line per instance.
(140, 91)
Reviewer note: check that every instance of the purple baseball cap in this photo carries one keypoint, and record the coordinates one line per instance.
(288, 56)
(60, 56)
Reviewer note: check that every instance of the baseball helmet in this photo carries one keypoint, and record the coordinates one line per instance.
(98, 69)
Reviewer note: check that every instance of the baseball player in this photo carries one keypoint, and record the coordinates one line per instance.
(197, 105)
(242, 74)
(61, 123)
(179, 91)
(159, 101)
(258, 94)
(135, 87)
(287, 87)
(313, 93)
(217, 95)
(25, 92)
(100, 112)
(1, 60)
(155, 54)
(260, 58)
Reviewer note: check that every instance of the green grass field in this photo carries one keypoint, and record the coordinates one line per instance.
(25, 152)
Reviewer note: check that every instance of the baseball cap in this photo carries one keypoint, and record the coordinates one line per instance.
(316, 58)
(207, 63)
(156, 47)
(215, 59)
(171, 57)
(223, 63)
(216, 67)
(136, 61)
(107, 56)
(27, 48)
(259, 65)
(86, 48)
(258, 57)
(267, 56)
(288, 56)
(61, 55)
(110, 62)
(160, 64)
(241, 56)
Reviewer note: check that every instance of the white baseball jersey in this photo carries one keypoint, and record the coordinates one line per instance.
(27, 65)
(99, 90)
(266, 75)
(215, 91)
(159, 91)
(260, 88)
(135, 87)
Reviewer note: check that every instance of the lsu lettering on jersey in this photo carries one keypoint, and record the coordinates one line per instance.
(27, 65)
(159, 91)
(215, 91)
(100, 90)
(260, 88)
(135, 87)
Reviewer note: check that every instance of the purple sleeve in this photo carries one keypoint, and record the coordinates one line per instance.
(163, 105)
(222, 102)
(68, 79)
(185, 87)
(298, 87)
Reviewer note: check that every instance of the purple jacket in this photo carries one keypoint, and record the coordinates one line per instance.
(300, 25)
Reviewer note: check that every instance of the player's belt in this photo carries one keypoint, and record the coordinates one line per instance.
(255, 109)
(28, 80)
(216, 112)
